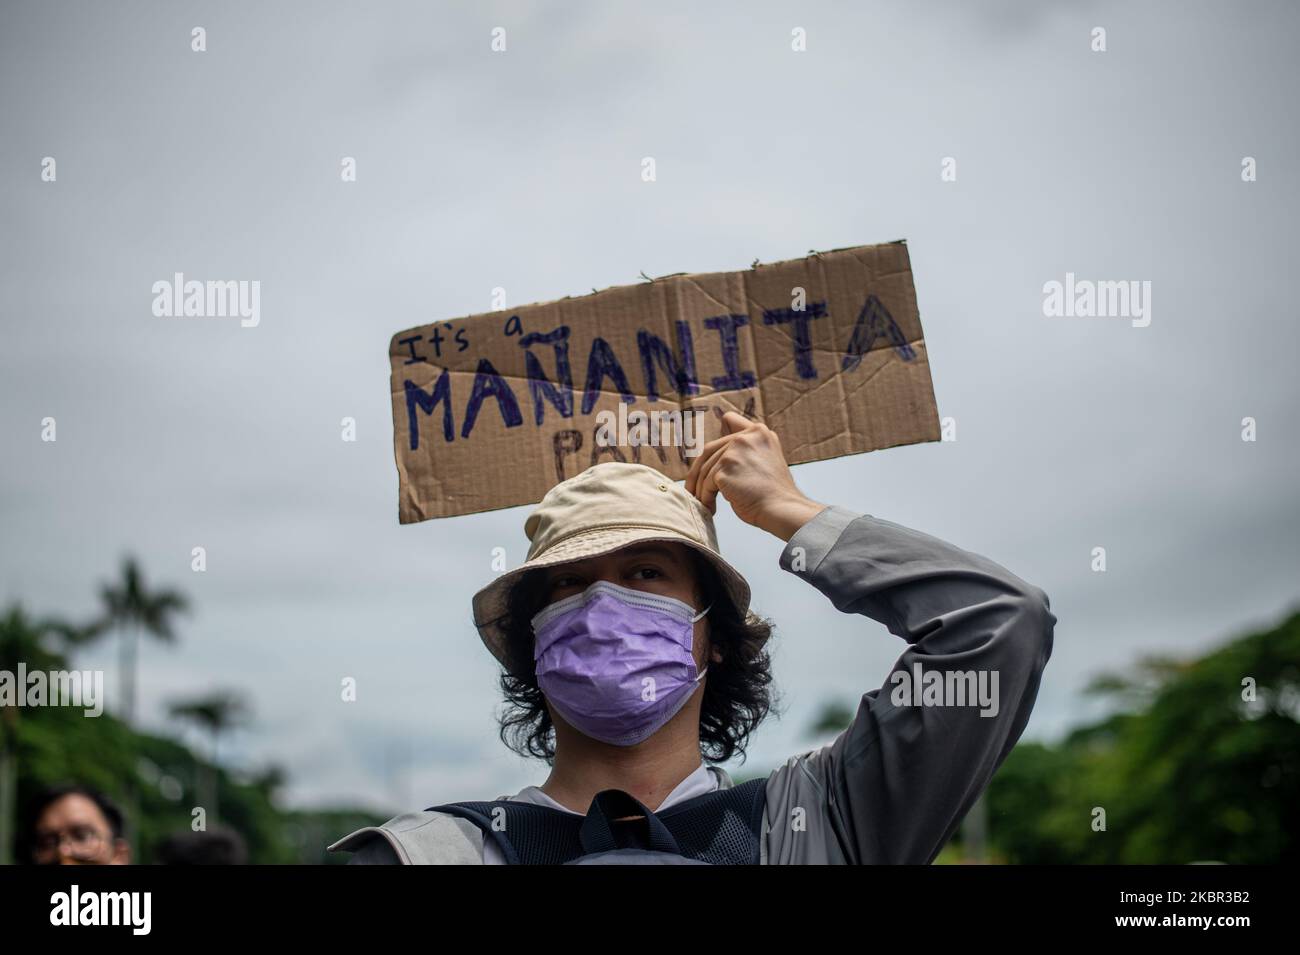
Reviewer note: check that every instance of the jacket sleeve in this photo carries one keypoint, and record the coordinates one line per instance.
(894, 786)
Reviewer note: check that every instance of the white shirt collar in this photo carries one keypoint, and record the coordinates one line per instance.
(704, 779)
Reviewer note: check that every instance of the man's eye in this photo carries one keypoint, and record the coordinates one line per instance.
(650, 573)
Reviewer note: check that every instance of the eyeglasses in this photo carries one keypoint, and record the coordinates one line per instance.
(84, 842)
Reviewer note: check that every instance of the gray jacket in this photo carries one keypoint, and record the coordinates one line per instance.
(894, 786)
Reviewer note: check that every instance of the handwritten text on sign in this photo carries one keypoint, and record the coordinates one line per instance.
(492, 410)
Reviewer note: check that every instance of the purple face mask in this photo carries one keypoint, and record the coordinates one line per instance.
(616, 663)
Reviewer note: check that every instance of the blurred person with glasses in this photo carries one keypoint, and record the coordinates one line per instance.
(74, 825)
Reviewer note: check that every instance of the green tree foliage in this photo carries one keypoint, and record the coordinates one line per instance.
(52, 745)
(1186, 770)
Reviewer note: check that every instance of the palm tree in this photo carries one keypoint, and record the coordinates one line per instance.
(216, 713)
(131, 609)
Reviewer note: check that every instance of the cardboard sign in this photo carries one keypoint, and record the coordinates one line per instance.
(493, 410)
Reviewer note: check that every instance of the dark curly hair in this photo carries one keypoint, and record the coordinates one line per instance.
(737, 693)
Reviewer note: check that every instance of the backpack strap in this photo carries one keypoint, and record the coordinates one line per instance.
(477, 813)
(723, 827)
(526, 834)
(597, 833)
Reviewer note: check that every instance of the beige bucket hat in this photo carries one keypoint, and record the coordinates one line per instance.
(606, 507)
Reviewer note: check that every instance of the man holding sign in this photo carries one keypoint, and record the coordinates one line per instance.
(629, 651)
(630, 655)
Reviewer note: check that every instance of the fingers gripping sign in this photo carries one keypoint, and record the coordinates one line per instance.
(747, 466)
(741, 447)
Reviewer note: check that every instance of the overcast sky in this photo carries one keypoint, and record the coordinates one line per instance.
(522, 170)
